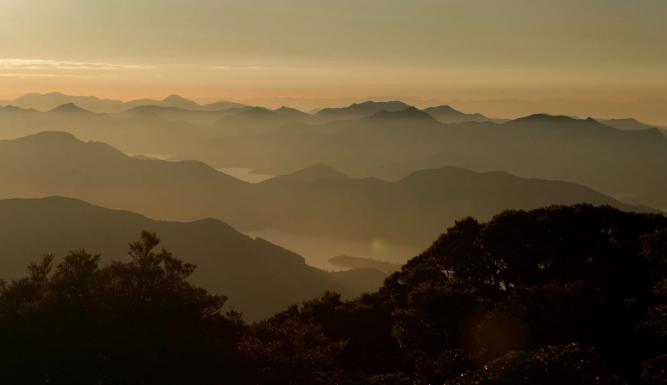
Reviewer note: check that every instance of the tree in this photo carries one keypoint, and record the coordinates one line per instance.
(136, 322)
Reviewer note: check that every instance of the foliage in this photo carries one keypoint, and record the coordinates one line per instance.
(573, 295)
(78, 323)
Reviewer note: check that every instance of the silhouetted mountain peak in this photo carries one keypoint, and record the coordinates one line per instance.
(629, 124)
(447, 114)
(48, 137)
(558, 122)
(70, 108)
(39, 95)
(444, 108)
(10, 108)
(179, 101)
(173, 98)
(627, 120)
(388, 105)
(317, 172)
(289, 111)
(364, 109)
(541, 118)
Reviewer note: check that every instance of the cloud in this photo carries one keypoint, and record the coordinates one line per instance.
(32, 75)
(15, 64)
(264, 68)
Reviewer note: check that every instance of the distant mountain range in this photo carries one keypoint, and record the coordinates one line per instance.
(626, 124)
(49, 101)
(391, 145)
(360, 110)
(389, 140)
(258, 277)
(447, 114)
(318, 200)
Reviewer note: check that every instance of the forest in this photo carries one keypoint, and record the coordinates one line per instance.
(556, 295)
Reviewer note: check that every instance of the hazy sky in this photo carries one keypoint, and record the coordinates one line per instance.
(484, 54)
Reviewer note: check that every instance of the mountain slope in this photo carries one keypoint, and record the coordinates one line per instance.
(260, 120)
(360, 110)
(626, 164)
(318, 172)
(49, 101)
(318, 201)
(258, 277)
(626, 124)
(56, 163)
(447, 114)
(173, 114)
(622, 163)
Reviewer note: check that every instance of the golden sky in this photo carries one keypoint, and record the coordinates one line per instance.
(499, 57)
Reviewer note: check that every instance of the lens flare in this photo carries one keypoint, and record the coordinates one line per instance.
(379, 246)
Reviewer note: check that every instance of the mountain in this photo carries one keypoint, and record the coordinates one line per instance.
(447, 114)
(55, 163)
(626, 124)
(629, 165)
(70, 109)
(407, 114)
(221, 105)
(49, 101)
(260, 119)
(292, 112)
(179, 102)
(6, 110)
(547, 121)
(360, 110)
(409, 211)
(258, 277)
(314, 173)
(145, 130)
(316, 201)
(173, 114)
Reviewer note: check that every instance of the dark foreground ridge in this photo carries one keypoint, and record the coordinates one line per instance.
(259, 277)
(560, 295)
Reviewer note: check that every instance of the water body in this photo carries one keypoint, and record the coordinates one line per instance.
(245, 174)
(151, 156)
(317, 250)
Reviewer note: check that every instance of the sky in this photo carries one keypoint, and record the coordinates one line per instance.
(504, 58)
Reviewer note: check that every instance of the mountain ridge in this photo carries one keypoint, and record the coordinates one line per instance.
(316, 201)
(228, 261)
(48, 101)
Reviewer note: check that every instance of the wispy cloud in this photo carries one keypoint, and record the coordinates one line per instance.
(32, 75)
(263, 68)
(16, 64)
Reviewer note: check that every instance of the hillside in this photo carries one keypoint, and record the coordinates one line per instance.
(316, 201)
(626, 164)
(387, 140)
(258, 277)
(447, 114)
(51, 100)
(360, 110)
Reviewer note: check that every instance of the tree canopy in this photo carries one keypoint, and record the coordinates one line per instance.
(571, 294)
